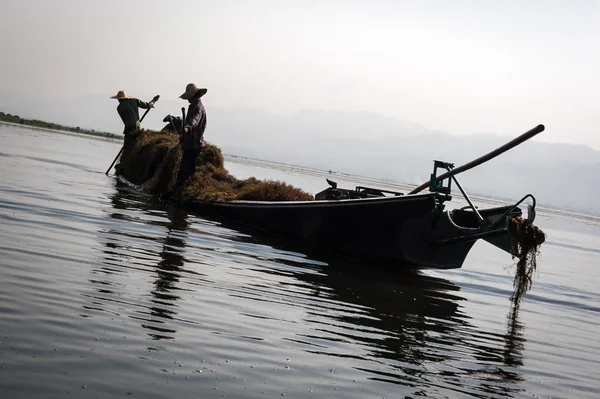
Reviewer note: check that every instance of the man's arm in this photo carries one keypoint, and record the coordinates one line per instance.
(147, 105)
(144, 105)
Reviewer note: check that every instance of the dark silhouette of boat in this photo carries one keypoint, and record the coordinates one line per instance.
(382, 227)
(366, 224)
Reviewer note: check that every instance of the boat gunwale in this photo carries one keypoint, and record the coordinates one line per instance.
(326, 203)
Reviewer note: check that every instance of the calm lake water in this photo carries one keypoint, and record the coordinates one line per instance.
(104, 294)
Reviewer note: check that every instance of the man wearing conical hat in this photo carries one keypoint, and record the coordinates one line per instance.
(128, 110)
(193, 130)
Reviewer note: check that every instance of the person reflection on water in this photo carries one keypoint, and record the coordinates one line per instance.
(163, 259)
(169, 270)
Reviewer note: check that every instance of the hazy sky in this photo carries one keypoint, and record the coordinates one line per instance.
(458, 66)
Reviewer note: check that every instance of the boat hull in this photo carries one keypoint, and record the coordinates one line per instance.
(400, 231)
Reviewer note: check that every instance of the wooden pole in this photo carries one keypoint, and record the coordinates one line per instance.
(114, 160)
(182, 125)
(182, 119)
(493, 154)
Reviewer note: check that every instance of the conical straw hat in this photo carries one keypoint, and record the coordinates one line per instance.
(121, 95)
(190, 91)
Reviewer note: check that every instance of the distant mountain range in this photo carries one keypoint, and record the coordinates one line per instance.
(561, 176)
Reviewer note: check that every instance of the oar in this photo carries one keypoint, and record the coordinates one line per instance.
(182, 119)
(155, 99)
(493, 154)
(182, 123)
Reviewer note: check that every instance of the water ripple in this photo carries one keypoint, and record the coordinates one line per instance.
(101, 287)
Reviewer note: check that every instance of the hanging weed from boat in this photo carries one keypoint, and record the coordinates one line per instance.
(526, 241)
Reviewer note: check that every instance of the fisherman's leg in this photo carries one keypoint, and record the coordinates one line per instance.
(194, 160)
(188, 165)
(127, 147)
(128, 139)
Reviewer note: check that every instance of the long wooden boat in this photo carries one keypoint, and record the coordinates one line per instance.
(404, 230)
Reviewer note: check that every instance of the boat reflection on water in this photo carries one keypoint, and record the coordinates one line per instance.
(409, 325)
(413, 328)
(404, 328)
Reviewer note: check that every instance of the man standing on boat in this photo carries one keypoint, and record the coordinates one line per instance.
(193, 131)
(128, 110)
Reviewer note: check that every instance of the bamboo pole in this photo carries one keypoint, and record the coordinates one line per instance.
(493, 154)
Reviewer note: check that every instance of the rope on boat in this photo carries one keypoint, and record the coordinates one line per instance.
(458, 227)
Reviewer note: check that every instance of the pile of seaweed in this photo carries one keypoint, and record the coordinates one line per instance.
(526, 241)
(153, 163)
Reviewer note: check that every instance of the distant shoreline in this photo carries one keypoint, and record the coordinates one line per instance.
(314, 172)
(93, 135)
(50, 126)
(300, 169)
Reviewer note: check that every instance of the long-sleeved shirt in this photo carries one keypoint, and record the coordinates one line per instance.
(129, 113)
(195, 122)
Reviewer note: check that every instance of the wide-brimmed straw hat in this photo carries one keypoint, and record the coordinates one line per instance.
(121, 95)
(191, 90)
